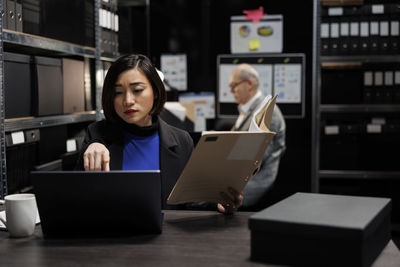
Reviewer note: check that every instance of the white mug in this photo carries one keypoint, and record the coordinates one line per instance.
(21, 213)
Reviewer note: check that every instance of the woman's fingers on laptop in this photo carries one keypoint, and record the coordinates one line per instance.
(88, 161)
(96, 157)
(98, 160)
(106, 161)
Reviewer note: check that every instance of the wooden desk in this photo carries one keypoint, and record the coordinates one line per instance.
(189, 238)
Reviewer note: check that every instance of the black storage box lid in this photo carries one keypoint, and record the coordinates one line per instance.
(333, 216)
(314, 229)
(47, 61)
(14, 57)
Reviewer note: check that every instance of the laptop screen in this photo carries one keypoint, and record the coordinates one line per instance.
(98, 203)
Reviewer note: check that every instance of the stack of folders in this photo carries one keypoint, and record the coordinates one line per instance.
(360, 29)
(109, 23)
(381, 86)
(12, 15)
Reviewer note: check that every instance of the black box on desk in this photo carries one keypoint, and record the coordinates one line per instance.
(318, 229)
(48, 84)
(17, 81)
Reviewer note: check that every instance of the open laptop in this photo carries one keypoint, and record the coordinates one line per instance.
(98, 203)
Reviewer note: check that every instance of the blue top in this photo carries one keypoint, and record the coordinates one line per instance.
(141, 152)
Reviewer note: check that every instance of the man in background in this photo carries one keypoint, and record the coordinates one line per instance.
(244, 85)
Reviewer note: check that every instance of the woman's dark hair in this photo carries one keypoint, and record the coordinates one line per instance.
(125, 63)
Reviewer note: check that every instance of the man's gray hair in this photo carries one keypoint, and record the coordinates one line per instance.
(247, 72)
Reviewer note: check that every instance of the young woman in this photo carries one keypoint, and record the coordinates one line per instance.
(133, 136)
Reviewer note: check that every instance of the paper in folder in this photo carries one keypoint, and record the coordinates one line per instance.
(223, 159)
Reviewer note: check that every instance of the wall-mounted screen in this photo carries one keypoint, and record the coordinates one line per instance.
(280, 74)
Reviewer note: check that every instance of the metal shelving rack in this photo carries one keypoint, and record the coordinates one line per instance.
(3, 171)
(360, 108)
(42, 45)
(316, 82)
(39, 43)
(358, 174)
(19, 124)
(364, 58)
(318, 109)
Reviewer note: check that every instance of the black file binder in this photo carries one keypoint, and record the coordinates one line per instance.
(384, 36)
(368, 83)
(365, 29)
(394, 29)
(378, 87)
(18, 16)
(324, 32)
(396, 87)
(11, 14)
(334, 34)
(31, 16)
(116, 42)
(20, 161)
(364, 37)
(333, 88)
(374, 38)
(344, 42)
(388, 87)
(105, 41)
(52, 144)
(354, 39)
(4, 15)
(394, 37)
(325, 37)
(354, 14)
(90, 95)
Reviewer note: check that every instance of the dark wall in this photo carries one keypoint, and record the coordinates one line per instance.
(201, 30)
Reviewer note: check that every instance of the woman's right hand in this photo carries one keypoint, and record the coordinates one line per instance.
(96, 158)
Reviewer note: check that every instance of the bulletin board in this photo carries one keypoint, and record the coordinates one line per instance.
(281, 74)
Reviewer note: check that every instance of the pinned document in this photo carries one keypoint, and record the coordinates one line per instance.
(254, 45)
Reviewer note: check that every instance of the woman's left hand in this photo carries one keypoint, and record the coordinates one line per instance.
(233, 201)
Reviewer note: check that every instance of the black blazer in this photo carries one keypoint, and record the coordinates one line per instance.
(176, 147)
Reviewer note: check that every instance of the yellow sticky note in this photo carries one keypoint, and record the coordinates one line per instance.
(254, 45)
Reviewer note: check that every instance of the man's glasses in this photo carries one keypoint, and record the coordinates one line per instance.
(234, 85)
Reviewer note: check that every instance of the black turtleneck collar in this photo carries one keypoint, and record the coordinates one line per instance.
(141, 131)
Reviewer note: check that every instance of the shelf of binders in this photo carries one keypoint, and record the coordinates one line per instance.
(358, 174)
(18, 124)
(360, 108)
(43, 45)
(360, 29)
(360, 58)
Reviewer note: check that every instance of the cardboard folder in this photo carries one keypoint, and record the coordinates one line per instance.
(224, 159)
